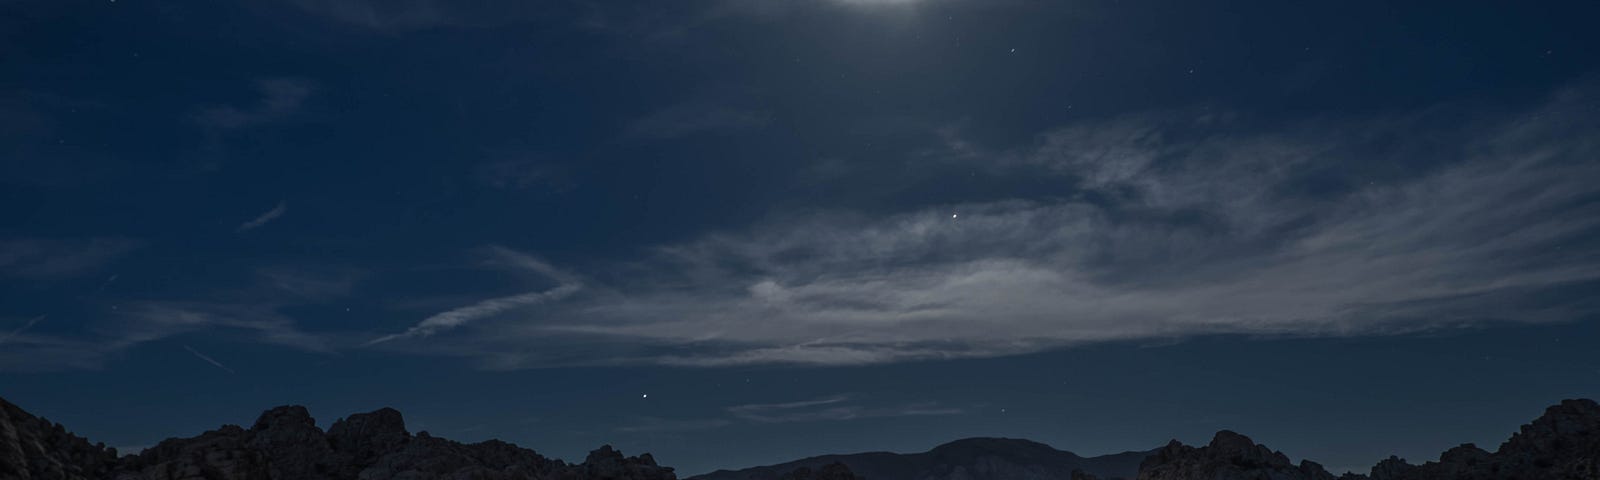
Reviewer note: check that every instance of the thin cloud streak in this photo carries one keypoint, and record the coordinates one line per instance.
(832, 408)
(280, 99)
(210, 360)
(652, 424)
(262, 219)
(567, 285)
(23, 328)
(54, 258)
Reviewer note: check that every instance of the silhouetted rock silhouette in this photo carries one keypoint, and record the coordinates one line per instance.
(1229, 456)
(34, 448)
(1562, 444)
(286, 444)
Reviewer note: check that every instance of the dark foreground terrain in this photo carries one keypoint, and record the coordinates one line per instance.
(286, 444)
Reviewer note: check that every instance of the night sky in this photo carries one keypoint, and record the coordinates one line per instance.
(743, 232)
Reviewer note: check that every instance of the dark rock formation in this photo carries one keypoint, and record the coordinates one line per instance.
(609, 464)
(1229, 456)
(1562, 444)
(285, 444)
(968, 459)
(33, 448)
(366, 437)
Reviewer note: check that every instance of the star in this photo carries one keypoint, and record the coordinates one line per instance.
(645, 396)
(953, 215)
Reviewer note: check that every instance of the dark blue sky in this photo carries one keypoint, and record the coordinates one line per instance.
(742, 232)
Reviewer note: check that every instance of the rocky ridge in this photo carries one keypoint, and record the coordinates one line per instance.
(35, 448)
(1562, 444)
(285, 443)
(1228, 456)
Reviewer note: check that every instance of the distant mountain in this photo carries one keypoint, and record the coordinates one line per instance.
(286, 444)
(968, 459)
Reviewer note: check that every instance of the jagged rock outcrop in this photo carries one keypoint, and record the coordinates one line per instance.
(1229, 456)
(1562, 444)
(293, 445)
(32, 448)
(224, 453)
(286, 444)
(607, 463)
(367, 437)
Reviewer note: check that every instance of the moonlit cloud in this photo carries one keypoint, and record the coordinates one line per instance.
(1177, 234)
(653, 424)
(18, 331)
(495, 306)
(280, 98)
(141, 323)
(268, 216)
(60, 258)
(696, 118)
(836, 407)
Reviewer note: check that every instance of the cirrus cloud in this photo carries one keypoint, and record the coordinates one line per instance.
(1174, 230)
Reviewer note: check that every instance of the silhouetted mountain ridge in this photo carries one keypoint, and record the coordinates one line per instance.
(1562, 444)
(980, 458)
(285, 444)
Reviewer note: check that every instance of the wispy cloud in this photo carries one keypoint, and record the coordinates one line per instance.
(309, 282)
(1181, 226)
(697, 117)
(566, 286)
(23, 328)
(393, 16)
(524, 174)
(142, 323)
(209, 360)
(268, 216)
(840, 407)
(280, 98)
(57, 258)
(151, 321)
(837, 407)
(653, 424)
